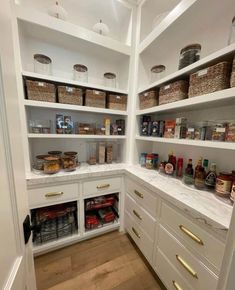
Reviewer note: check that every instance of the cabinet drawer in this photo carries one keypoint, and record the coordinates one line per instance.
(140, 216)
(143, 197)
(142, 240)
(205, 244)
(102, 185)
(53, 194)
(191, 268)
(168, 274)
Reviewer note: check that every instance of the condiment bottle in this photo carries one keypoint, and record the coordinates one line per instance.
(206, 165)
(199, 178)
(232, 195)
(188, 175)
(224, 184)
(199, 164)
(211, 176)
(171, 164)
(179, 170)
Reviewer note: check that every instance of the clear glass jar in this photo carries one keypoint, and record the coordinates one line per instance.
(92, 156)
(80, 73)
(51, 165)
(72, 154)
(39, 162)
(109, 153)
(110, 80)
(69, 163)
(42, 64)
(232, 32)
(189, 54)
(40, 126)
(157, 72)
(101, 153)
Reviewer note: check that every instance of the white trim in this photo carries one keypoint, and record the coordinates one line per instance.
(14, 281)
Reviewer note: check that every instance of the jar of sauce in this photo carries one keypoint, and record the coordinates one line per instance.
(149, 161)
(224, 184)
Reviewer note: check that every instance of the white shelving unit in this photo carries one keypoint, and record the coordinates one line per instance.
(74, 136)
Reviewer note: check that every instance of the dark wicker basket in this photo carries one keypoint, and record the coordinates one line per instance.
(70, 95)
(232, 80)
(173, 92)
(148, 99)
(41, 91)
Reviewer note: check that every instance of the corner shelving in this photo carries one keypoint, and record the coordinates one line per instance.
(74, 136)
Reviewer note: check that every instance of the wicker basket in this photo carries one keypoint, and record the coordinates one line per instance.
(148, 100)
(117, 102)
(232, 80)
(41, 91)
(211, 79)
(70, 95)
(173, 92)
(95, 98)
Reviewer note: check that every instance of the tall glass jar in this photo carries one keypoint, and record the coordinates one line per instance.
(51, 165)
(232, 32)
(80, 73)
(92, 153)
(110, 80)
(157, 72)
(42, 64)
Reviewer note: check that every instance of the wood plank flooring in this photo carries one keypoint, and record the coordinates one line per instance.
(107, 262)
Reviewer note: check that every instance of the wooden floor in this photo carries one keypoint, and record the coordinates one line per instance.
(107, 262)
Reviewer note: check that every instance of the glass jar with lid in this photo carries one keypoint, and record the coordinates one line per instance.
(39, 162)
(72, 154)
(157, 72)
(42, 64)
(69, 163)
(51, 165)
(189, 54)
(80, 73)
(232, 32)
(110, 80)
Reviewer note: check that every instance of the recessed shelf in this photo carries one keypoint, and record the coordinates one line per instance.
(220, 98)
(32, 16)
(222, 54)
(67, 107)
(72, 82)
(103, 229)
(198, 143)
(74, 136)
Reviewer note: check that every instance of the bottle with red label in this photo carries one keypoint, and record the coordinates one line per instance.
(179, 169)
(171, 164)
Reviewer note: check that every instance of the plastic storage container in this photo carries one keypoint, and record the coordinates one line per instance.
(42, 64)
(110, 80)
(80, 73)
(189, 54)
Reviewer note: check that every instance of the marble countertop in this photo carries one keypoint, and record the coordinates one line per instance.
(201, 205)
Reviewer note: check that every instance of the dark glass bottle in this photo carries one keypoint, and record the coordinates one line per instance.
(188, 175)
(199, 177)
(211, 176)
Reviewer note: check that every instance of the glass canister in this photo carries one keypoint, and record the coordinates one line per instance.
(42, 64)
(39, 162)
(69, 163)
(40, 126)
(157, 72)
(51, 165)
(109, 153)
(80, 73)
(189, 54)
(72, 154)
(101, 153)
(232, 32)
(110, 80)
(92, 156)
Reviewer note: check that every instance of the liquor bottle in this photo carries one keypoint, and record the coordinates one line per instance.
(171, 164)
(188, 175)
(199, 165)
(211, 176)
(180, 164)
(199, 178)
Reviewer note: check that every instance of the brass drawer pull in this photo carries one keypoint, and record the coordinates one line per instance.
(186, 266)
(176, 285)
(135, 232)
(191, 235)
(137, 215)
(139, 194)
(103, 186)
(51, 194)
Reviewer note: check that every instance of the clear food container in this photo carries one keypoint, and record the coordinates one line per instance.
(51, 165)
(69, 163)
(39, 162)
(80, 73)
(72, 154)
(42, 64)
(40, 126)
(189, 54)
(110, 80)
(101, 153)
(92, 156)
(157, 72)
(109, 153)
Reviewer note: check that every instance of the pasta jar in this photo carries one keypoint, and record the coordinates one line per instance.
(80, 73)
(149, 161)
(110, 80)
(51, 165)
(224, 184)
(42, 64)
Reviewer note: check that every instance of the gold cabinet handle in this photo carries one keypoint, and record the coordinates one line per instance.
(139, 194)
(191, 235)
(51, 194)
(186, 266)
(101, 186)
(137, 214)
(176, 285)
(135, 232)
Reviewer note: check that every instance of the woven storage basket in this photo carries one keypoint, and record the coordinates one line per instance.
(211, 79)
(95, 98)
(173, 92)
(232, 80)
(70, 95)
(148, 99)
(117, 102)
(41, 91)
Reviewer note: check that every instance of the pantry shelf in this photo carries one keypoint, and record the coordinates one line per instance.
(66, 29)
(198, 143)
(223, 54)
(67, 107)
(216, 99)
(72, 82)
(74, 136)
(103, 229)
(169, 20)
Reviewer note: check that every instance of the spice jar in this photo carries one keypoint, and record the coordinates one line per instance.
(224, 184)
(110, 80)
(149, 161)
(189, 54)
(51, 165)
(80, 73)
(39, 163)
(232, 32)
(72, 154)
(42, 64)
(157, 72)
(69, 163)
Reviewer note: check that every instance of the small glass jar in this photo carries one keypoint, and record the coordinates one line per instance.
(39, 162)
(42, 64)
(51, 165)
(189, 54)
(232, 32)
(40, 126)
(80, 73)
(143, 159)
(72, 154)
(149, 161)
(157, 72)
(56, 154)
(110, 80)
(224, 184)
(92, 156)
(69, 163)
